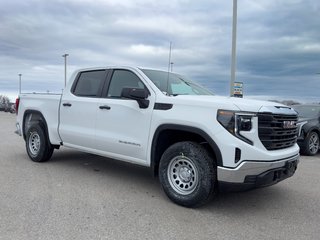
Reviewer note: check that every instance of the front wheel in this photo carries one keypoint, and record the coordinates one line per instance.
(38, 147)
(311, 146)
(187, 173)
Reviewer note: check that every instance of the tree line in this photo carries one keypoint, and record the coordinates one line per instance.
(4, 101)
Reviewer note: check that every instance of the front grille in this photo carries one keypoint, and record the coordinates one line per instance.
(272, 132)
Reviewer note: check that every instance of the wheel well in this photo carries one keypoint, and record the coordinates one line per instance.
(164, 138)
(313, 130)
(317, 131)
(31, 117)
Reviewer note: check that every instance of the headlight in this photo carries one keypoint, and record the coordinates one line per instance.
(236, 122)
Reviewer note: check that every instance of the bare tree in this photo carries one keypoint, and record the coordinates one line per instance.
(4, 101)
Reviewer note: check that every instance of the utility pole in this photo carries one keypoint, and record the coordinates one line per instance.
(20, 83)
(170, 56)
(234, 43)
(171, 66)
(65, 68)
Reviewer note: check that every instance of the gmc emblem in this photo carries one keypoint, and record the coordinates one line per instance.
(289, 124)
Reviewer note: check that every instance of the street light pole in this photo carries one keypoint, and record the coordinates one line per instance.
(234, 42)
(20, 83)
(65, 68)
(170, 56)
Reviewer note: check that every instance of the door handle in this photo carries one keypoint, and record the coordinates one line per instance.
(67, 104)
(105, 107)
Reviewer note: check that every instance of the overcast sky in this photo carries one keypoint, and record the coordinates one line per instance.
(278, 42)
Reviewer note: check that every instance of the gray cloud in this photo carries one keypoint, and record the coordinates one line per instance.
(277, 53)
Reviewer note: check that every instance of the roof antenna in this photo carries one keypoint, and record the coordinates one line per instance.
(169, 68)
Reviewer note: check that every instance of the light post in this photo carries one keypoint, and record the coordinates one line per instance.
(65, 68)
(20, 82)
(169, 57)
(234, 42)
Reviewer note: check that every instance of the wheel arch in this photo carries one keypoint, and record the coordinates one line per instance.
(317, 130)
(312, 129)
(168, 134)
(34, 116)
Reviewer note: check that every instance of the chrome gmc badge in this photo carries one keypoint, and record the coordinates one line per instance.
(289, 124)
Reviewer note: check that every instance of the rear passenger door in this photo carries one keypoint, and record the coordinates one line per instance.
(122, 127)
(79, 107)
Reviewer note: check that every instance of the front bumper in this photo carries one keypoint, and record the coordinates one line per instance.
(253, 174)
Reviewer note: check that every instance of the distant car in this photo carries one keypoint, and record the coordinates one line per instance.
(7, 108)
(308, 128)
(13, 108)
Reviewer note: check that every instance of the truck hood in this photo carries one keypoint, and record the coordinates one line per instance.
(232, 103)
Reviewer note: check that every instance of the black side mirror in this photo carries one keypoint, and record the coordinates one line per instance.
(138, 94)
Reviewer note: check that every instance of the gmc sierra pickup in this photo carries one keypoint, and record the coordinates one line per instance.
(197, 143)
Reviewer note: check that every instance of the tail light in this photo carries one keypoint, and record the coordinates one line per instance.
(17, 105)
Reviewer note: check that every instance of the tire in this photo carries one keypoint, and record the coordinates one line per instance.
(311, 144)
(38, 147)
(188, 174)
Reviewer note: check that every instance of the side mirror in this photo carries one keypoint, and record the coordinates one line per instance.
(138, 94)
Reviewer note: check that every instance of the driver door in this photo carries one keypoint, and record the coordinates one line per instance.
(122, 127)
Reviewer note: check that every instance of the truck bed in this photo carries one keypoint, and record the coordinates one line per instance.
(46, 103)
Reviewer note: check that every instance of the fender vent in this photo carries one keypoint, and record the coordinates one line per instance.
(237, 155)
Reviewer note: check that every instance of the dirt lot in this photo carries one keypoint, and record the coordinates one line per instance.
(82, 196)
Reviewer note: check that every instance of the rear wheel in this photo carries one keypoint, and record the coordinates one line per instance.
(187, 173)
(38, 146)
(311, 145)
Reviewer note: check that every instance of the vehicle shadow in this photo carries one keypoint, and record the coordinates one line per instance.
(94, 164)
(87, 159)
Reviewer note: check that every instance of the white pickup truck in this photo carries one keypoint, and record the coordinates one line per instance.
(197, 143)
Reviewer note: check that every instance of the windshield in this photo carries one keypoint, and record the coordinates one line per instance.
(178, 85)
(307, 111)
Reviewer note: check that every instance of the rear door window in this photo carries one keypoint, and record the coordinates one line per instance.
(89, 84)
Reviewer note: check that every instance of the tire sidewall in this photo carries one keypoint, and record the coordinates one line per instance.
(206, 173)
(43, 143)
